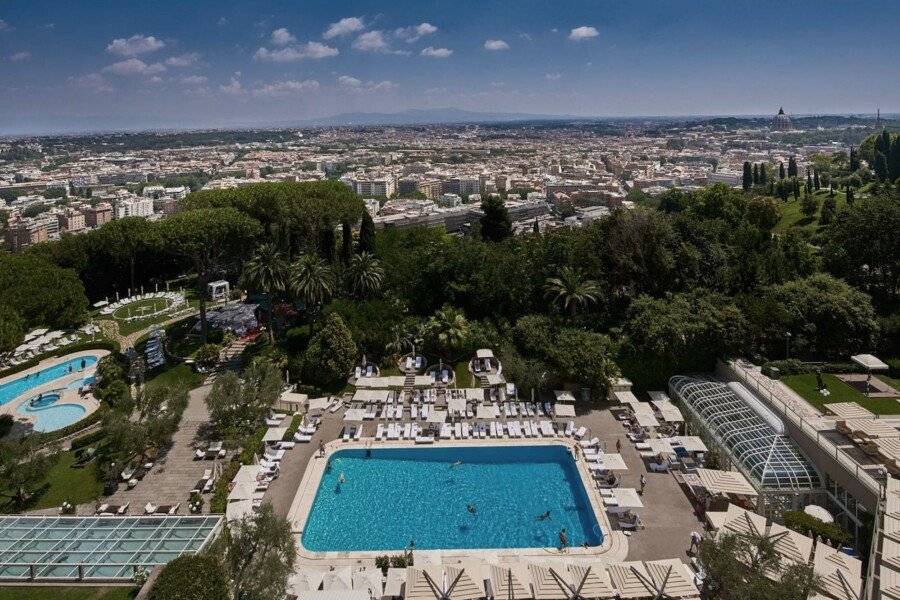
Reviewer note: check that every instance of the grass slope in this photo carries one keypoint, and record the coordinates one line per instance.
(805, 385)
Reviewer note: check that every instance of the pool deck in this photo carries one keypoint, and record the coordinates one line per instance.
(614, 547)
(66, 396)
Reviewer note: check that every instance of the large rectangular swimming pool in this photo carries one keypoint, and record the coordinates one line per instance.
(391, 497)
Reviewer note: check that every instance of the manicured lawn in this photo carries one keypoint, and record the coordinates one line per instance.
(66, 593)
(463, 375)
(792, 216)
(805, 385)
(176, 375)
(146, 307)
(65, 483)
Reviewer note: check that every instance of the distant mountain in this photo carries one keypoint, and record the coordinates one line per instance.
(426, 116)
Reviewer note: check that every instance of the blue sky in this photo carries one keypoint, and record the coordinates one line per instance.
(116, 64)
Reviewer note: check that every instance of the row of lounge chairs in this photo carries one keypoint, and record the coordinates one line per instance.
(205, 484)
(411, 363)
(463, 431)
(162, 509)
(111, 308)
(154, 350)
(106, 510)
(305, 432)
(527, 409)
(212, 451)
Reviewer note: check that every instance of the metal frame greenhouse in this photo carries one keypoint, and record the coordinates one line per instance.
(97, 548)
(750, 437)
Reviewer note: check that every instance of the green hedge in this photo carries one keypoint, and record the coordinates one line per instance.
(87, 440)
(296, 420)
(798, 367)
(253, 445)
(219, 499)
(191, 577)
(808, 525)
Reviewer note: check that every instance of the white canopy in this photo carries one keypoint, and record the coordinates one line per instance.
(340, 594)
(381, 396)
(484, 353)
(627, 498)
(725, 482)
(818, 512)
(354, 414)
(691, 443)
(392, 381)
(660, 446)
(563, 409)
(613, 462)
(495, 379)
(317, 405)
(437, 416)
(564, 396)
(396, 577)
(626, 397)
(274, 434)
(339, 579)
(456, 405)
(368, 580)
(645, 419)
(869, 362)
(486, 412)
(304, 580)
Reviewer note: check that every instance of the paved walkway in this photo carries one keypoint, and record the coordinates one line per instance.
(171, 479)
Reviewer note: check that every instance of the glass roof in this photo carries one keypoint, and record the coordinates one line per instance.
(768, 458)
(105, 547)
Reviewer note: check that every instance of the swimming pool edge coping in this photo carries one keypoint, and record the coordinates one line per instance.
(614, 547)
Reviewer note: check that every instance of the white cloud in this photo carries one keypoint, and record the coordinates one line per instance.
(416, 32)
(282, 37)
(234, 86)
(287, 88)
(552, 76)
(436, 52)
(371, 41)
(222, 22)
(134, 66)
(155, 79)
(343, 27)
(183, 60)
(352, 84)
(496, 45)
(583, 33)
(4, 25)
(20, 56)
(135, 45)
(92, 81)
(295, 53)
(193, 80)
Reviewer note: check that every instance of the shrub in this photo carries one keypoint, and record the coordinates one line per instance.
(296, 420)
(219, 500)
(297, 338)
(6, 423)
(785, 367)
(208, 355)
(87, 440)
(808, 525)
(382, 562)
(188, 577)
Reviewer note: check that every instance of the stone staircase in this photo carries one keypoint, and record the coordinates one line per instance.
(230, 359)
(409, 383)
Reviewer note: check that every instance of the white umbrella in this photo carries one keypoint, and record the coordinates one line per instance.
(814, 510)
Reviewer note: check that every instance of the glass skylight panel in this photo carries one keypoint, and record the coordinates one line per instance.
(768, 457)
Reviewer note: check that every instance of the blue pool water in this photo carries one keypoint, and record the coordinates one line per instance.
(50, 416)
(17, 387)
(416, 494)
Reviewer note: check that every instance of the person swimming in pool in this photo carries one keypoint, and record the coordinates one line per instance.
(456, 464)
(341, 478)
(471, 508)
(83, 364)
(544, 516)
(563, 539)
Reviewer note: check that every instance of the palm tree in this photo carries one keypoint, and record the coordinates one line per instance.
(449, 327)
(311, 279)
(364, 275)
(266, 271)
(570, 292)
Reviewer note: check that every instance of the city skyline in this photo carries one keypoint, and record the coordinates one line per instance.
(97, 67)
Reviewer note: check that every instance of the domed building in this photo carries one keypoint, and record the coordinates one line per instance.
(782, 122)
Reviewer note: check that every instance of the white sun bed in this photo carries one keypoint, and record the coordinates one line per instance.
(588, 443)
(580, 432)
(379, 432)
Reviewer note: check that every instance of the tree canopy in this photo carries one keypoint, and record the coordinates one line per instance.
(40, 292)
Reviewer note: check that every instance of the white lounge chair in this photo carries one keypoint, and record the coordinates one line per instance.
(580, 432)
(588, 443)
(379, 432)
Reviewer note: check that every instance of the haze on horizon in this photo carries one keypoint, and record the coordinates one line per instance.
(102, 65)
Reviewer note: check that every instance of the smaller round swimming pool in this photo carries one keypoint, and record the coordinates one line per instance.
(50, 416)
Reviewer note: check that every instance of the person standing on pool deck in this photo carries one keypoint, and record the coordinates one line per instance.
(643, 483)
(619, 446)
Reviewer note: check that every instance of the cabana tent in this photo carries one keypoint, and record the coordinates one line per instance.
(380, 383)
(379, 396)
(319, 405)
(726, 482)
(839, 574)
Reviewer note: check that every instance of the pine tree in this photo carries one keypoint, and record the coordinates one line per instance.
(536, 228)
(854, 159)
(346, 242)
(885, 142)
(810, 206)
(781, 170)
(366, 234)
(755, 174)
(816, 184)
(795, 185)
(326, 244)
(747, 180)
(763, 177)
(809, 182)
(792, 167)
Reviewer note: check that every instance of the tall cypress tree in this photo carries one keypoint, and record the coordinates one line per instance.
(881, 167)
(792, 167)
(747, 180)
(816, 184)
(854, 159)
(366, 234)
(894, 159)
(809, 182)
(763, 177)
(346, 242)
(755, 173)
(781, 170)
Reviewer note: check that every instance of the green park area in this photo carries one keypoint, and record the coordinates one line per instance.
(67, 593)
(806, 386)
